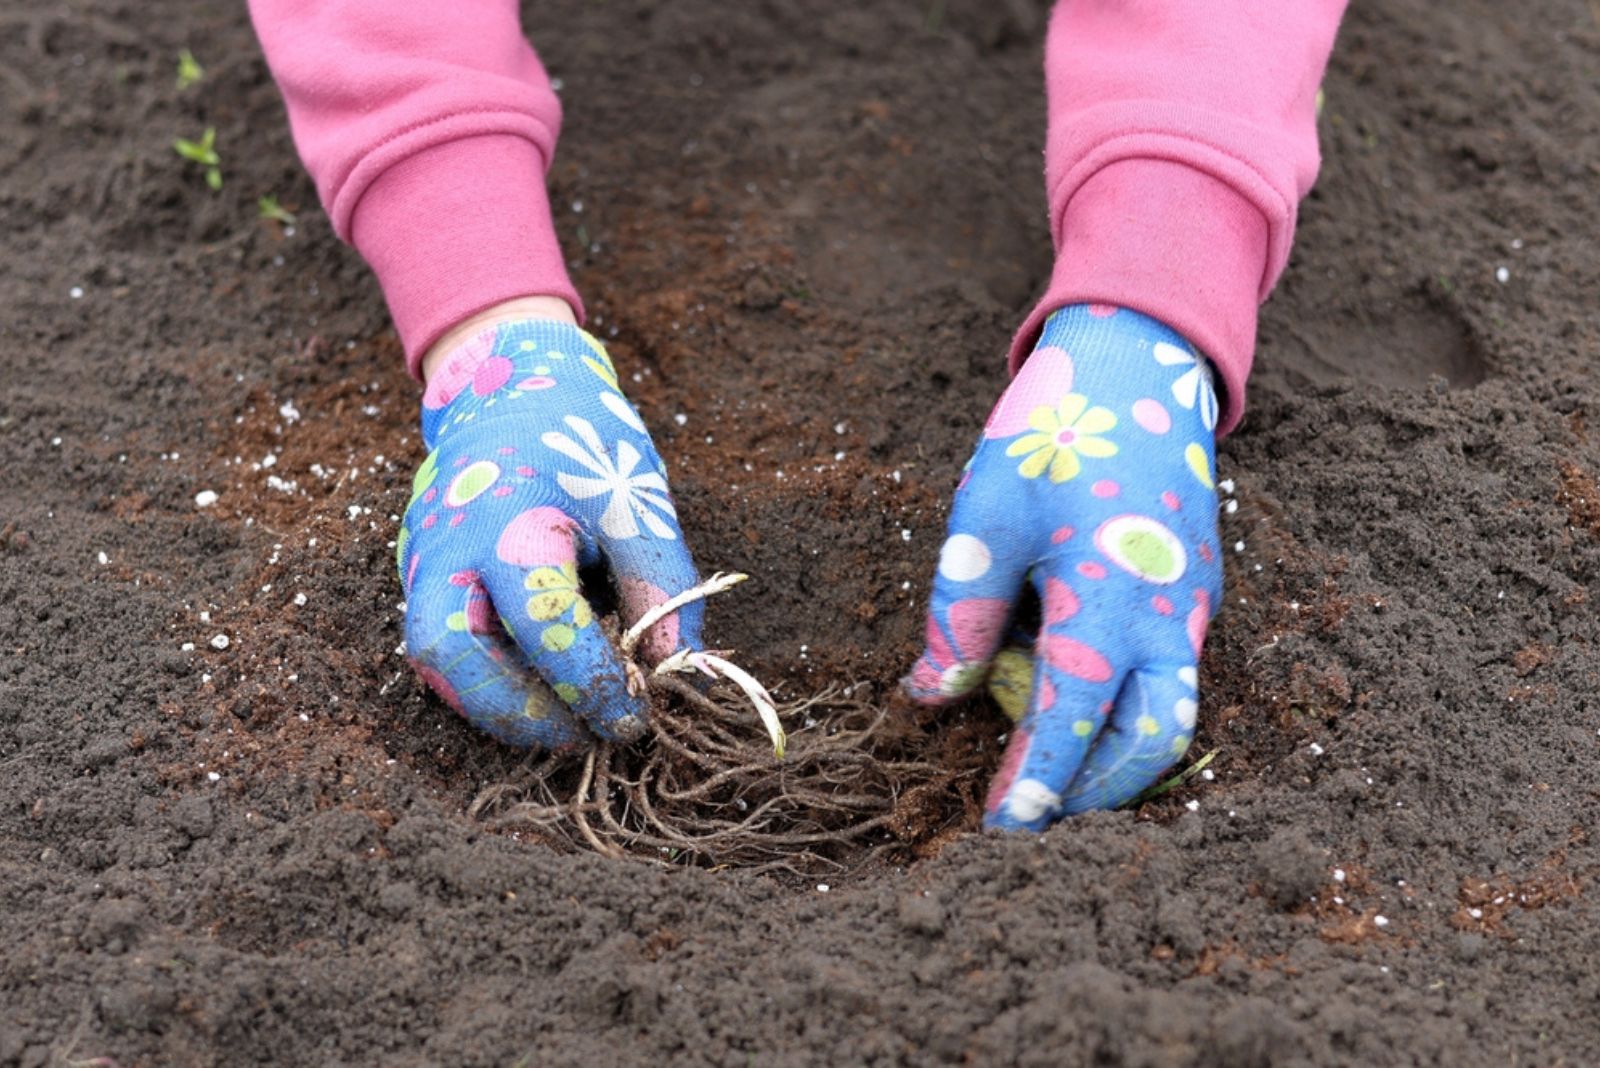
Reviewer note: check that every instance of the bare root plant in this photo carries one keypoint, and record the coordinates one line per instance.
(706, 789)
(718, 787)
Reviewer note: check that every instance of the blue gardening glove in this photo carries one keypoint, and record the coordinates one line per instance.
(1094, 482)
(537, 466)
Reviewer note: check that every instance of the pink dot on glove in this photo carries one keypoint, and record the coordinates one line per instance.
(537, 536)
(491, 375)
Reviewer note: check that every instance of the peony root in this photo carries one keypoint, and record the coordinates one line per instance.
(855, 782)
(709, 662)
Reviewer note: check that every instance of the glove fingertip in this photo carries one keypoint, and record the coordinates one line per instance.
(614, 705)
(928, 685)
(626, 729)
(1026, 805)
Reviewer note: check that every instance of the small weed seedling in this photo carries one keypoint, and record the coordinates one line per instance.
(1174, 781)
(204, 153)
(189, 70)
(267, 207)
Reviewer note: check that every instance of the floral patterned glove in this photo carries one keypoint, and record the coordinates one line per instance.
(538, 466)
(1094, 481)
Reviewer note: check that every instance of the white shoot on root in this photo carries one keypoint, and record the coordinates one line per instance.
(715, 584)
(757, 693)
(686, 661)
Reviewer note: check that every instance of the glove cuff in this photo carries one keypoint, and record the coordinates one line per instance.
(506, 362)
(1173, 243)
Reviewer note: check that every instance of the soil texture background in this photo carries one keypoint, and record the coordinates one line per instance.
(806, 231)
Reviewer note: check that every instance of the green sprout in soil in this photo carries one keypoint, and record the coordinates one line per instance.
(204, 153)
(1175, 781)
(267, 207)
(189, 69)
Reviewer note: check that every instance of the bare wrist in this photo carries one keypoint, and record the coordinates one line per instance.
(517, 308)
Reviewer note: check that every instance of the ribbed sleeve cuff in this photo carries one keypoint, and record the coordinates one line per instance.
(457, 228)
(1173, 243)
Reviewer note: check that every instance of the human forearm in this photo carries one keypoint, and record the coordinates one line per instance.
(1182, 137)
(427, 128)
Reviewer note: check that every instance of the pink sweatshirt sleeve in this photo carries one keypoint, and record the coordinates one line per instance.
(428, 126)
(1182, 137)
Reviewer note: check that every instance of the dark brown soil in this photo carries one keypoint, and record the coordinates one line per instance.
(807, 228)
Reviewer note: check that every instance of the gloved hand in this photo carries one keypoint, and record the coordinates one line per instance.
(1094, 481)
(538, 466)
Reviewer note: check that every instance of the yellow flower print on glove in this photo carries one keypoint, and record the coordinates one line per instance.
(1061, 435)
